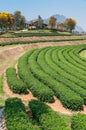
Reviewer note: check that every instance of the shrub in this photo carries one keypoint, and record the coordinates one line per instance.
(15, 83)
(78, 122)
(69, 98)
(38, 89)
(48, 119)
(15, 116)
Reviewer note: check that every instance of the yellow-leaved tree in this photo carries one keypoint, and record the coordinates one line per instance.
(70, 23)
(6, 20)
(52, 22)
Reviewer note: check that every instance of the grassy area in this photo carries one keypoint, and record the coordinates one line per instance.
(30, 33)
(2, 102)
(1, 85)
(83, 54)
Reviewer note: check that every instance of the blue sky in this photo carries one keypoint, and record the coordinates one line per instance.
(32, 8)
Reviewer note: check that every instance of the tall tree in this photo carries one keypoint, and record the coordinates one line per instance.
(40, 22)
(19, 20)
(70, 23)
(6, 20)
(52, 22)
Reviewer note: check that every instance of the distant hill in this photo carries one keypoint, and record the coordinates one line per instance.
(62, 18)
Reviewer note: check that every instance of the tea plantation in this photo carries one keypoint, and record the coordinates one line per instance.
(52, 71)
(47, 72)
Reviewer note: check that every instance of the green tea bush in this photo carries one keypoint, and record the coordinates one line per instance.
(15, 116)
(48, 119)
(69, 99)
(78, 122)
(38, 89)
(15, 83)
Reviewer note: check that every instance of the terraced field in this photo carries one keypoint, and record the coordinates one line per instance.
(52, 71)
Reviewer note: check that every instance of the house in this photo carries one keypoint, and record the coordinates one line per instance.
(61, 26)
(36, 24)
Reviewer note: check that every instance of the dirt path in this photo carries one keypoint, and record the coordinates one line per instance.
(8, 57)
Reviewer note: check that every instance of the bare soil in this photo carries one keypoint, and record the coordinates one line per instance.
(5, 40)
(8, 57)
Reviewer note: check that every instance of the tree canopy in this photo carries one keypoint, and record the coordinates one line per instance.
(70, 23)
(12, 21)
(52, 22)
(6, 20)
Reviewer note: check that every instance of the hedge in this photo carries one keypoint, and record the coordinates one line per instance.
(15, 83)
(69, 99)
(38, 89)
(47, 118)
(78, 122)
(15, 116)
(56, 71)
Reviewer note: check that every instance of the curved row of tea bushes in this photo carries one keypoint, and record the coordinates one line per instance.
(66, 60)
(15, 115)
(63, 64)
(47, 118)
(72, 62)
(78, 122)
(38, 89)
(79, 79)
(15, 83)
(58, 76)
(76, 56)
(69, 98)
(64, 77)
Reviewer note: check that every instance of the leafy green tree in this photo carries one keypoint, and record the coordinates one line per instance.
(40, 22)
(19, 20)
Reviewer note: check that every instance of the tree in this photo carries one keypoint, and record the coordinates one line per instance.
(19, 20)
(70, 23)
(6, 20)
(52, 22)
(40, 22)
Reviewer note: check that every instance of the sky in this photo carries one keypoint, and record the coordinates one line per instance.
(45, 8)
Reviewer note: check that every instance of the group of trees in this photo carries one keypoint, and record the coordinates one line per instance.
(17, 21)
(69, 24)
(12, 21)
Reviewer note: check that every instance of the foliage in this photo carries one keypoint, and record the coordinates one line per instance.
(70, 99)
(55, 71)
(48, 119)
(78, 122)
(41, 91)
(52, 22)
(12, 21)
(70, 24)
(1, 85)
(2, 102)
(15, 116)
(15, 83)
(6, 20)
(19, 20)
(40, 22)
